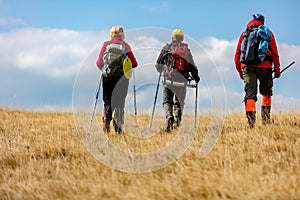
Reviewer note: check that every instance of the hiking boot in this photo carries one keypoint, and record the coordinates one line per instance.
(251, 116)
(106, 127)
(106, 119)
(265, 115)
(169, 125)
(176, 124)
(118, 128)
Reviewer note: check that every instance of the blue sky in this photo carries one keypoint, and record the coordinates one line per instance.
(43, 44)
(222, 19)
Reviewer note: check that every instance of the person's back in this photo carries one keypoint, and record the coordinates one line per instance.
(176, 63)
(110, 62)
(259, 70)
(271, 55)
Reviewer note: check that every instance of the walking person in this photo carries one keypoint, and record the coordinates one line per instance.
(110, 62)
(176, 64)
(255, 55)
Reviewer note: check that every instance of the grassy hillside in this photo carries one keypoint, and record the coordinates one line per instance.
(42, 157)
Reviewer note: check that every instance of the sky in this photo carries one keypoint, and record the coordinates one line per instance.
(48, 47)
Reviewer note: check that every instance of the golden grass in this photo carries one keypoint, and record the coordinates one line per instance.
(42, 157)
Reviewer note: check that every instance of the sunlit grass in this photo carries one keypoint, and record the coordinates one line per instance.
(42, 157)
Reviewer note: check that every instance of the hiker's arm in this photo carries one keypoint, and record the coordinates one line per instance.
(131, 56)
(99, 62)
(192, 67)
(160, 62)
(274, 54)
(237, 54)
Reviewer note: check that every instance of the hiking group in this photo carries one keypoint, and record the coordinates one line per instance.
(255, 55)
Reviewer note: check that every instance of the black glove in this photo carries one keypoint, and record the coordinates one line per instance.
(197, 79)
(105, 71)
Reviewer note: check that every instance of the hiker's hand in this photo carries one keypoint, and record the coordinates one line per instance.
(104, 71)
(197, 79)
(277, 75)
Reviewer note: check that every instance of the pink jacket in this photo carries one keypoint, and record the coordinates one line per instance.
(116, 40)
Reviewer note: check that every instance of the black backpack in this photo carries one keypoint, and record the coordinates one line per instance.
(249, 46)
(113, 57)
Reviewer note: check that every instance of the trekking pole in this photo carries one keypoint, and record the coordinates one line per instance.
(134, 100)
(286, 67)
(155, 98)
(196, 100)
(95, 105)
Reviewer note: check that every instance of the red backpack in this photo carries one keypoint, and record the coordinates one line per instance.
(180, 54)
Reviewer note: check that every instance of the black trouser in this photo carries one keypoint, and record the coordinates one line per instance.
(114, 93)
(251, 75)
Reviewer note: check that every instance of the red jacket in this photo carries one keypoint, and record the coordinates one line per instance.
(116, 40)
(264, 64)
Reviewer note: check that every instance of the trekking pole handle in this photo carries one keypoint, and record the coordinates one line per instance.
(192, 85)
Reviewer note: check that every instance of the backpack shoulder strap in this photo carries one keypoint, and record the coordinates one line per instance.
(172, 47)
(184, 44)
(107, 45)
(124, 44)
(124, 47)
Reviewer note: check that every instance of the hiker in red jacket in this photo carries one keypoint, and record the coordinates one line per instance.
(250, 71)
(110, 62)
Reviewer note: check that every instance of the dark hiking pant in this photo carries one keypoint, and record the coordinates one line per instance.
(114, 93)
(251, 75)
(173, 101)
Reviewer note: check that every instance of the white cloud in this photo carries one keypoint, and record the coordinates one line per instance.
(289, 53)
(280, 103)
(221, 52)
(53, 52)
(59, 53)
(144, 42)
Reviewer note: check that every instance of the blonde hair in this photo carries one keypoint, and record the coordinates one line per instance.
(117, 31)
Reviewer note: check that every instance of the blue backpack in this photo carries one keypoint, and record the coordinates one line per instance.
(255, 45)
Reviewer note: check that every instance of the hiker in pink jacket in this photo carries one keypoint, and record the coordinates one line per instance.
(110, 62)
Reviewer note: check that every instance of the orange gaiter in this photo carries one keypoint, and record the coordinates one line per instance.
(250, 105)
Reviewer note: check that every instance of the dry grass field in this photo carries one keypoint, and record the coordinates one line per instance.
(42, 157)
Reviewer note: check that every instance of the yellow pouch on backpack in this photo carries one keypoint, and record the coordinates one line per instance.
(127, 68)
